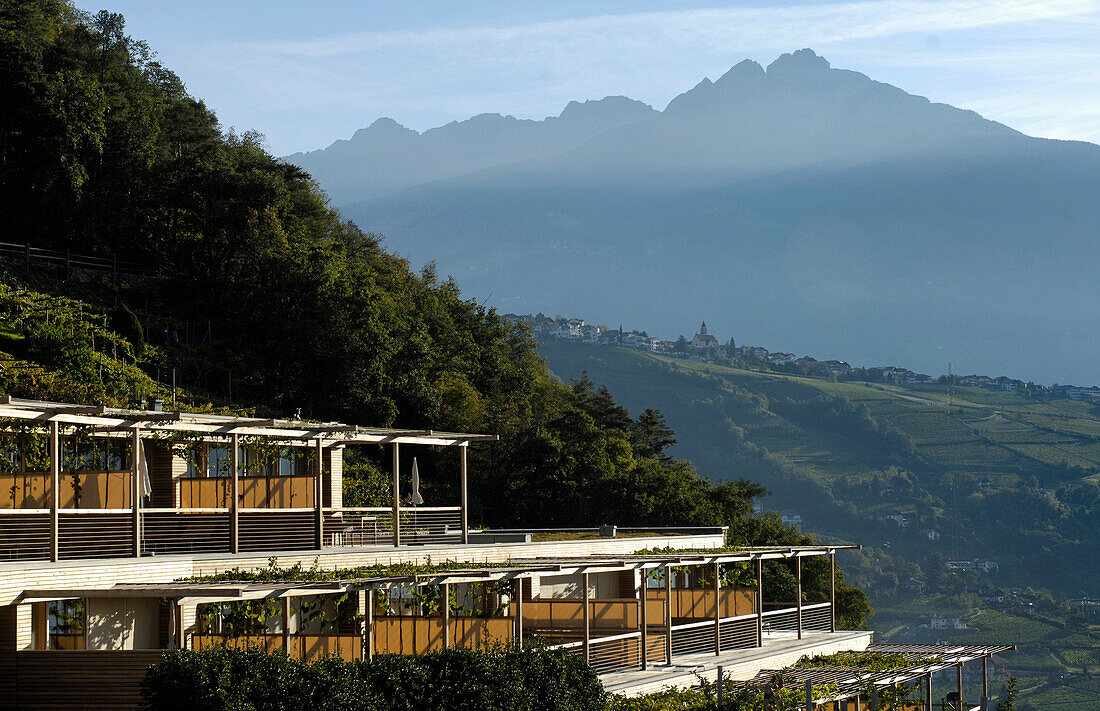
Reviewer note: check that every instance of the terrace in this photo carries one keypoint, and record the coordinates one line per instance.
(205, 484)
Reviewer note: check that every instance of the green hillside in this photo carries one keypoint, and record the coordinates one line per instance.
(997, 475)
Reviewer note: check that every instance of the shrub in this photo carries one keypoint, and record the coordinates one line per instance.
(222, 679)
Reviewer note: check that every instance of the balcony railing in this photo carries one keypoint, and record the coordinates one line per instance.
(28, 534)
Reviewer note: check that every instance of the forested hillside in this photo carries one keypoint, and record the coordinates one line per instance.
(260, 297)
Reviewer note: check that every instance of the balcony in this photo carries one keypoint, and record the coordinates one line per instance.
(72, 473)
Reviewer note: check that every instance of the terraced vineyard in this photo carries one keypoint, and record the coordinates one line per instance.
(995, 475)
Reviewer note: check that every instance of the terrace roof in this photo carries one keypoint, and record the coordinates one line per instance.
(106, 420)
(461, 573)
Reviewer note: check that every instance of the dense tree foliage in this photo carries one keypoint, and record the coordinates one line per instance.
(103, 151)
(223, 679)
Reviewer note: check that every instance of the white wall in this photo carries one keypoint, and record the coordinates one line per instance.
(123, 623)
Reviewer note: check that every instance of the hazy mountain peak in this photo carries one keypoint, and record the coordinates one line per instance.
(804, 60)
(384, 127)
(615, 108)
(745, 70)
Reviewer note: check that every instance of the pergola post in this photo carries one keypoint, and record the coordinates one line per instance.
(519, 613)
(717, 611)
(959, 682)
(234, 493)
(318, 497)
(985, 678)
(798, 591)
(396, 495)
(55, 487)
(928, 692)
(366, 615)
(135, 489)
(668, 614)
(643, 591)
(286, 625)
(832, 591)
(587, 616)
(759, 602)
(445, 593)
(462, 488)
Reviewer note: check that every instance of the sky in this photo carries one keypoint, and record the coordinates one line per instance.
(307, 73)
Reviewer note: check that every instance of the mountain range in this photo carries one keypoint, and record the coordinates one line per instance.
(804, 206)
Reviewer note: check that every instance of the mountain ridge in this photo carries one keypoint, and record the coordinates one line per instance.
(815, 206)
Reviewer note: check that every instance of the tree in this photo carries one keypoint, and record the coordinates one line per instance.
(935, 572)
(1008, 703)
(654, 435)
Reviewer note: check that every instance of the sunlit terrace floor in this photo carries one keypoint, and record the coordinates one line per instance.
(780, 649)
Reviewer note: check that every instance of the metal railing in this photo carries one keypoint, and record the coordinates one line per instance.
(27, 534)
(623, 651)
(25, 254)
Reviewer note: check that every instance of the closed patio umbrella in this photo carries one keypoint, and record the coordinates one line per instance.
(417, 499)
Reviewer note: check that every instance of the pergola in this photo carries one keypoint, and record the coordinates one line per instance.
(61, 418)
(854, 683)
(514, 570)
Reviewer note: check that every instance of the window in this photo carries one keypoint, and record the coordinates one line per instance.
(61, 624)
(217, 460)
(293, 462)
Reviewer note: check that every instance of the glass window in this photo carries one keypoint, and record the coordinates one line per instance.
(217, 461)
(194, 461)
(292, 462)
(65, 624)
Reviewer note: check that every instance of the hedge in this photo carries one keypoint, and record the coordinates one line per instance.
(222, 679)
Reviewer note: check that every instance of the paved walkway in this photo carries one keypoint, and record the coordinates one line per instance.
(781, 649)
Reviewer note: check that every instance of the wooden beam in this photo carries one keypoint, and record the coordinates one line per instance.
(832, 591)
(55, 486)
(717, 612)
(462, 488)
(135, 488)
(396, 495)
(318, 497)
(798, 593)
(519, 613)
(234, 489)
(759, 602)
(668, 614)
(586, 641)
(445, 592)
(642, 621)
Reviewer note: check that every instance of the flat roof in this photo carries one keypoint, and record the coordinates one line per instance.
(107, 420)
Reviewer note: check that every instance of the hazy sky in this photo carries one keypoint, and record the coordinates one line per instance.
(307, 73)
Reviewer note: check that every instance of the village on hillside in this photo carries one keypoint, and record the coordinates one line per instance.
(705, 347)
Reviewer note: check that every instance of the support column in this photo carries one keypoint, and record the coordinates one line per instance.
(366, 624)
(985, 679)
(445, 593)
(759, 602)
(587, 616)
(234, 493)
(832, 591)
(643, 623)
(519, 613)
(798, 592)
(319, 497)
(928, 692)
(668, 614)
(396, 495)
(462, 487)
(135, 489)
(959, 682)
(717, 612)
(286, 625)
(55, 488)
